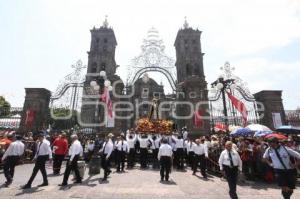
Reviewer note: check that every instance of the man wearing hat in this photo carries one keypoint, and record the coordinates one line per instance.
(43, 153)
(11, 158)
(106, 150)
(279, 157)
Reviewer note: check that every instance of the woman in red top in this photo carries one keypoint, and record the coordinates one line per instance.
(60, 149)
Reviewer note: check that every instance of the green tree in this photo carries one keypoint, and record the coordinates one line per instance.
(4, 106)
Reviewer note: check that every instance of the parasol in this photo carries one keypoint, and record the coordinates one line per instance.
(289, 129)
(276, 135)
(262, 133)
(258, 127)
(242, 132)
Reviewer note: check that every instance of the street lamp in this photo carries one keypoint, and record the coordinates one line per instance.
(222, 85)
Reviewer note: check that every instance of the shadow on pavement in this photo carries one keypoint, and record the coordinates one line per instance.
(29, 191)
(171, 182)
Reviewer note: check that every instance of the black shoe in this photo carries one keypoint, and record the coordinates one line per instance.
(43, 185)
(7, 183)
(27, 186)
(63, 184)
(167, 179)
(78, 182)
(104, 179)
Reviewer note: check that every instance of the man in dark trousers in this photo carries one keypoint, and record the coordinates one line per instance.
(43, 153)
(75, 152)
(60, 149)
(122, 149)
(165, 157)
(284, 168)
(11, 158)
(105, 151)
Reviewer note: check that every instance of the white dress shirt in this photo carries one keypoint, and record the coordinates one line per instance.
(16, 148)
(155, 144)
(122, 146)
(179, 143)
(165, 150)
(185, 135)
(90, 146)
(131, 141)
(43, 148)
(200, 149)
(225, 159)
(75, 149)
(107, 148)
(284, 153)
(143, 141)
(189, 146)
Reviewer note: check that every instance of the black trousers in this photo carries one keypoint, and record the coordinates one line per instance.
(105, 165)
(9, 167)
(144, 157)
(190, 158)
(155, 160)
(200, 159)
(131, 158)
(57, 162)
(121, 155)
(39, 166)
(72, 166)
(231, 175)
(180, 158)
(165, 167)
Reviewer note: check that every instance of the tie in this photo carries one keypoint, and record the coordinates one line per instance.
(104, 147)
(231, 161)
(37, 153)
(122, 146)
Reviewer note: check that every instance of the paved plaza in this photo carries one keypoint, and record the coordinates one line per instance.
(139, 184)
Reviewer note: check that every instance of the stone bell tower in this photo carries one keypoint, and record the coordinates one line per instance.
(191, 86)
(101, 57)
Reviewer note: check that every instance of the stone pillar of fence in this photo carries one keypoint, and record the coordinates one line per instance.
(273, 114)
(35, 115)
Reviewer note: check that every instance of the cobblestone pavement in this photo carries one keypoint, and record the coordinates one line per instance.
(139, 184)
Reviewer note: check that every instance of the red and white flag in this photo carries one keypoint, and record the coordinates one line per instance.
(240, 106)
(198, 121)
(105, 97)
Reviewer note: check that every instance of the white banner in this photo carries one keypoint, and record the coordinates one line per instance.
(277, 122)
(110, 121)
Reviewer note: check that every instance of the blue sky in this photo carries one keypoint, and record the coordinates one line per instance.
(40, 40)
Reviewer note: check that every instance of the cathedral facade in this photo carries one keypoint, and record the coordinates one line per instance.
(190, 85)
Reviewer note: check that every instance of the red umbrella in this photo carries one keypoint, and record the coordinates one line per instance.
(220, 127)
(276, 135)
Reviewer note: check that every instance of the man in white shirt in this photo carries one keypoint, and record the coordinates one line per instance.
(43, 153)
(155, 144)
(179, 154)
(11, 157)
(201, 154)
(285, 169)
(131, 140)
(185, 133)
(106, 150)
(190, 153)
(144, 144)
(75, 151)
(165, 157)
(121, 150)
(230, 162)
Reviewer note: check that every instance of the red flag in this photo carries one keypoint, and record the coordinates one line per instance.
(240, 106)
(30, 115)
(198, 122)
